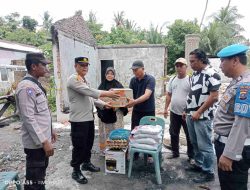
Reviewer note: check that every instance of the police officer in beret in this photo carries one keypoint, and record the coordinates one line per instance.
(37, 133)
(82, 99)
(232, 120)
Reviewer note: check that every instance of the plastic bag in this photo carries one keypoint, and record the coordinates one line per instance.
(157, 137)
(147, 129)
(119, 134)
(144, 146)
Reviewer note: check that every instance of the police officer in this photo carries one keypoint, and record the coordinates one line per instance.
(82, 99)
(37, 134)
(232, 120)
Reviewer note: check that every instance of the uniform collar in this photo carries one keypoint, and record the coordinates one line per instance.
(29, 75)
(243, 75)
(80, 78)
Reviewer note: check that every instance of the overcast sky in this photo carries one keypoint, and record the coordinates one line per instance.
(143, 12)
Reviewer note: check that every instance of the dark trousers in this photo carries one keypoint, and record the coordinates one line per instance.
(238, 178)
(176, 122)
(136, 117)
(36, 164)
(82, 136)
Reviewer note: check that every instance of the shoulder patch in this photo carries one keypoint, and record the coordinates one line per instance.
(242, 100)
(30, 91)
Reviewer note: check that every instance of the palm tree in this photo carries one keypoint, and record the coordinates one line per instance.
(119, 19)
(130, 24)
(223, 30)
(154, 35)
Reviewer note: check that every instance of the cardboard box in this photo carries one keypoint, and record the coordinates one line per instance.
(124, 93)
(115, 161)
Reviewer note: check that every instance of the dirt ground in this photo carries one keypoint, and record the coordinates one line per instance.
(174, 177)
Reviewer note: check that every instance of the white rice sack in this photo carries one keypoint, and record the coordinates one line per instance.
(148, 141)
(147, 129)
(144, 146)
(157, 137)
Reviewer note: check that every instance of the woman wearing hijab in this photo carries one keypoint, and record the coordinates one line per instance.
(110, 119)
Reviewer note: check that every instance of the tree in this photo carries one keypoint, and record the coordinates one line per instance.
(130, 25)
(2, 21)
(96, 29)
(119, 19)
(154, 36)
(120, 36)
(29, 23)
(47, 21)
(12, 21)
(126, 33)
(175, 40)
(223, 30)
(9, 23)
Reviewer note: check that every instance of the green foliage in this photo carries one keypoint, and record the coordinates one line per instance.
(120, 35)
(223, 30)
(96, 29)
(12, 21)
(154, 36)
(52, 94)
(130, 25)
(47, 50)
(175, 40)
(24, 31)
(25, 36)
(119, 19)
(125, 31)
(29, 23)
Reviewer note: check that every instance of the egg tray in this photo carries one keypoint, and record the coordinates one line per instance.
(116, 144)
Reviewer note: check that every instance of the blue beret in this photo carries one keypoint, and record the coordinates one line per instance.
(232, 50)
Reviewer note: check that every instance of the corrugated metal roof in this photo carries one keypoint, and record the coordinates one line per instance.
(17, 46)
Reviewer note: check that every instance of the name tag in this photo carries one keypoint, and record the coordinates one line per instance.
(242, 100)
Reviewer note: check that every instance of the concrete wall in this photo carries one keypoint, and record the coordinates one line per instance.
(64, 66)
(153, 57)
(191, 43)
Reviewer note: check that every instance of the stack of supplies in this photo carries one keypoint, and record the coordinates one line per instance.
(146, 137)
(118, 139)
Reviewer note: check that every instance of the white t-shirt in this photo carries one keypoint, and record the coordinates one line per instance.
(179, 89)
